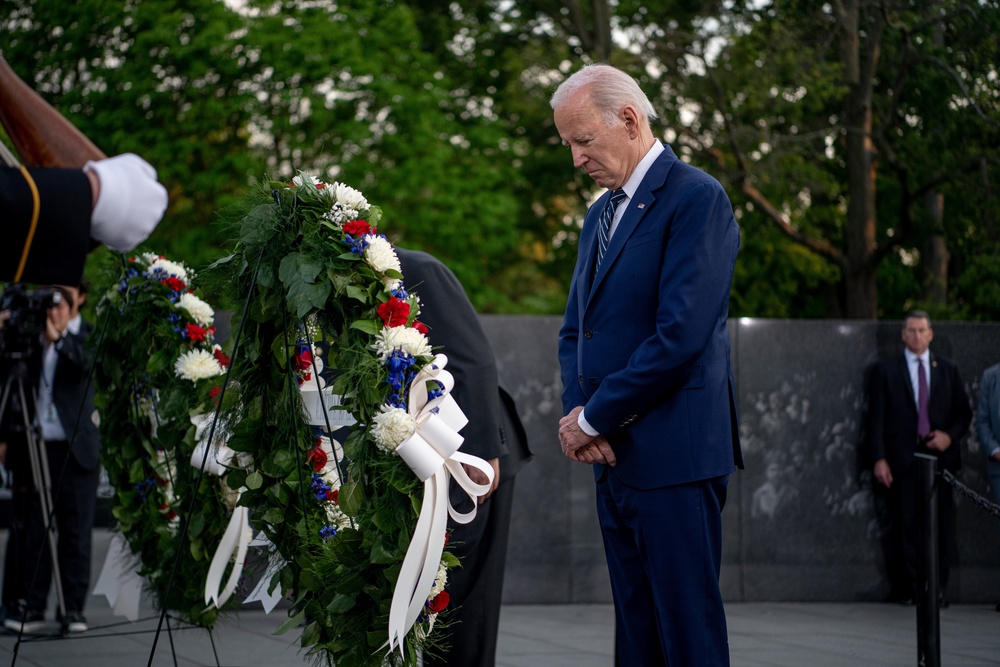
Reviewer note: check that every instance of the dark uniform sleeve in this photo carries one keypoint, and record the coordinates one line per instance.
(61, 240)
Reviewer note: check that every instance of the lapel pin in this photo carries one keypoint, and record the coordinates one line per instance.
(642, 206)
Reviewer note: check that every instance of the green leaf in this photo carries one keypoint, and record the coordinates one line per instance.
(254, 480)
(350, 498)
(274, 516)
(341, 603)
(368, 326)
(290, 623)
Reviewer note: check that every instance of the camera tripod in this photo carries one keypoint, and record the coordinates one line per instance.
(16, 380)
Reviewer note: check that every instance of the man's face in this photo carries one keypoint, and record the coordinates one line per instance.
(59, 314)
(601, 149)
(917, 334)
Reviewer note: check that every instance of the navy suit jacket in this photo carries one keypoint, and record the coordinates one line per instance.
(644, 344)
(893, 413)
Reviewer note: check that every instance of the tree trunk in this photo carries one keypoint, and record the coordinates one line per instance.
(935, 255)
(859, 59)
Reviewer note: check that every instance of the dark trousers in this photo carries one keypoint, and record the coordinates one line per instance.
(664, 551)
(74, 495)
(476, 588)
(902, 529)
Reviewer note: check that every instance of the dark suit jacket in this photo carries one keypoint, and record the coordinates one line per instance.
(73, 395)
(494, 429)
(893, 413)
(644, 344)
(62, 238)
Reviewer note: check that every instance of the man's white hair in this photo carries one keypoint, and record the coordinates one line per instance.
(610, 89)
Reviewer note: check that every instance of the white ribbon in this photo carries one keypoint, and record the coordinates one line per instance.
(274, 564)
(236, 538)
(432, 453)
(118, 581)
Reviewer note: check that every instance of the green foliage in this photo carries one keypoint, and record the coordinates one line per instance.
(308, 266)
(441, 113)
(147, 434)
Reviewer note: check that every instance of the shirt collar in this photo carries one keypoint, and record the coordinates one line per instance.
(632, 184)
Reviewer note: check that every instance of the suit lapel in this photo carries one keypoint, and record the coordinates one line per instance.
(640, 203)
(903, 380)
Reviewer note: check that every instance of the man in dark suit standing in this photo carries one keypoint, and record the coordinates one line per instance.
(648, 390)
(65, 420)
(917, 404)
(494, 433)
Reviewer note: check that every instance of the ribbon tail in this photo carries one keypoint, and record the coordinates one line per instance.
(435, 546)
(234, 540)
(409, 572)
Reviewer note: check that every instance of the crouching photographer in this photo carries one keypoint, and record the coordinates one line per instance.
(48, 423)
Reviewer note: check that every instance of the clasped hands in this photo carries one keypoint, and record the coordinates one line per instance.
(579, 446)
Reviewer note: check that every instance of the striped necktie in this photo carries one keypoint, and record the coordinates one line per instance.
(604, 230)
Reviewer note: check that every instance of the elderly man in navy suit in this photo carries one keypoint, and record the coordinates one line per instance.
(917, 404)
(648, 390)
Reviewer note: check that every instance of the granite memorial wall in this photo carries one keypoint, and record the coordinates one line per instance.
(800, 523)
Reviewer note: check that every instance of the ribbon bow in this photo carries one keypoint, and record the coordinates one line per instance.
(432, 453)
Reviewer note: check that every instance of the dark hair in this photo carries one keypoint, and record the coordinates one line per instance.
(917, 315)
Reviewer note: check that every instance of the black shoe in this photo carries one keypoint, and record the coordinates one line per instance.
(998, 606)
(73, 622)
(27, 622)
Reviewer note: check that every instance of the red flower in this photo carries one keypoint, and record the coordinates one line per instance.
(174, 283)
(214, 393)
(195, 332)
(357, 228)
(394, 312)
(303, 359)
(316, 458)
(221, 357)
(420, 326)
(170, 513)
(439, 602)
(334, 496)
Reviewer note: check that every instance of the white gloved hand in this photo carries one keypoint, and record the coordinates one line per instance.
(130, 201)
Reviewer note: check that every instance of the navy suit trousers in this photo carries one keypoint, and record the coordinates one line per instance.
(664, 552)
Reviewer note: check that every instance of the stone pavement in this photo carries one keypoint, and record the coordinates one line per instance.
(765, 634)
(761, 634)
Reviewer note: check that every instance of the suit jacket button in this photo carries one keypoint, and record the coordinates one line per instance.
(587, 333)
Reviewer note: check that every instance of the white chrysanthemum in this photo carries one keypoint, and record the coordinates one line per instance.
(171, 268)
(380, 255)
(440, 581)
(347, 196)
(407, 339)
(391, 427)
(200, 311)
(196, 365)
(149, 257)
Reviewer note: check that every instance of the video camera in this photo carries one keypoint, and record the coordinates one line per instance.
(28, 312)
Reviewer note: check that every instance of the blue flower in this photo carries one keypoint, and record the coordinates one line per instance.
(326, 532)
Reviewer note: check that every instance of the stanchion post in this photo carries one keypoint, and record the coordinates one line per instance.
(928, 621)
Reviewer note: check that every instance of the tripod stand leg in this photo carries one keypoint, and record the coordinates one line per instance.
(43, 486)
